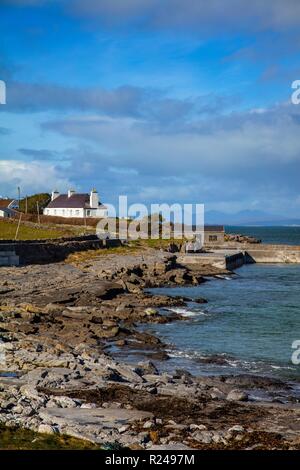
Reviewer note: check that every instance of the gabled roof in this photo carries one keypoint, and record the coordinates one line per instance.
(7, 211)
(4, 203)
(75, 201)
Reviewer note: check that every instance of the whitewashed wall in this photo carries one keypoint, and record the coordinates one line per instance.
(76, 212)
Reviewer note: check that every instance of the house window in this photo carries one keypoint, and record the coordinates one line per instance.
(71, 212)
(54, 211)
(77, 212)
(213, 238)
(88, 213)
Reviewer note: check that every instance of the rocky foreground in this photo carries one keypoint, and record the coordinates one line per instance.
(60, 322)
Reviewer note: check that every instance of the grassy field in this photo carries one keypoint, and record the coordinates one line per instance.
(159, 243)
(30, 232)
(88, 255)
(130, 248)
(24, 439)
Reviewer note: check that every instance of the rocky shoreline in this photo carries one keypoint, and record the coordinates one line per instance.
(58, 323)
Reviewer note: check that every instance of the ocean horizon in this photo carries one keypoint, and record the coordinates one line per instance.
(277, 235)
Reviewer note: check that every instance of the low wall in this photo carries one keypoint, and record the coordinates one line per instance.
(55, 250)
(232, 257)
(199, 258)
(275, 255)
(9, 258)
(263, 253)
(219, 260)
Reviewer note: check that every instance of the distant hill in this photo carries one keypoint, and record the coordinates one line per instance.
(248, 217)
(42, 199)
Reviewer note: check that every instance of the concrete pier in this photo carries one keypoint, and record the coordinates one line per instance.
(230, 256)
(224, 259)
(272, 253)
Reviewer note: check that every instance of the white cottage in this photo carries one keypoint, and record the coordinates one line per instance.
(7, 207)
(76, 205)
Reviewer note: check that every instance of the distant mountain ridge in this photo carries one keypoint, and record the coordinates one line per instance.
(248, 217)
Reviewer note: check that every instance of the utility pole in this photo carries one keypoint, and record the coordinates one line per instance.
(18, 227)
(19, 195)
(84, 215)
(38, 212)
(26, 205)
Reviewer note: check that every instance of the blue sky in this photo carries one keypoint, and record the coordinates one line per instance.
(165, 101)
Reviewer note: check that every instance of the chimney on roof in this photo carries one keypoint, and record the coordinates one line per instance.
(54, 195)
(71, 192)
(94, 199)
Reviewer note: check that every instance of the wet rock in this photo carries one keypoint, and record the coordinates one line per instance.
(237, 428)
(200, 300)
(105, 290)
(213, 359)
(253, 381)
(151, 311)
(146, 367)
(215, 393)
(237, 395)
(126, 373)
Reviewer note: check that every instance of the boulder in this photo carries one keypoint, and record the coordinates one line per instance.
(150, 311)
(237, 428)
(105, 290)
(47, 429)
(206, 437)
(237, 395)
(146, 367)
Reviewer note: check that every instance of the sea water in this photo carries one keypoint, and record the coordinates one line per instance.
(274, 235)
(248, 325)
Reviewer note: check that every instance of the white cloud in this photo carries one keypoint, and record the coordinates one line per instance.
(31, 177)
(233, 145)
(232, 160)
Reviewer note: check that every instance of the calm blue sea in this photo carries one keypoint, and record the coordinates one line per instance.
(274, 235)
(248, 324)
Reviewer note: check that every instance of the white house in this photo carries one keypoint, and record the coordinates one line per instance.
(7, 207)
(76, 205)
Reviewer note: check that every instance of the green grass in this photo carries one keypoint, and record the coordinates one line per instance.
(28, 232)
(85, 256)
(132, 247)
(24, 439)
(159, 243)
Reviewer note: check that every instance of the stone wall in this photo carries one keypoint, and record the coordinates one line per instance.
(263, 253)
(50, 251)
(219, 260)
(273, 254)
